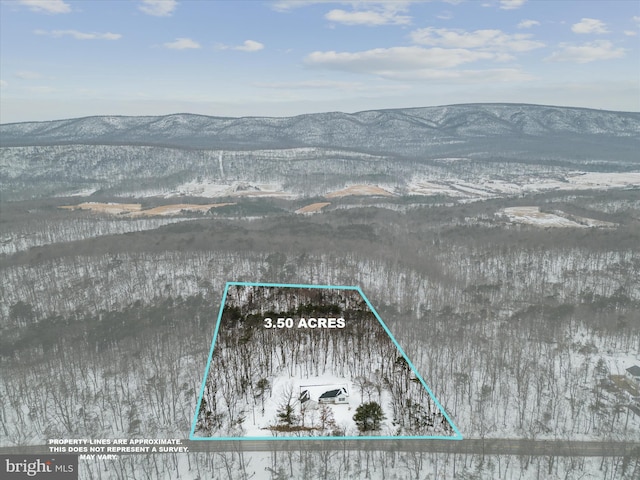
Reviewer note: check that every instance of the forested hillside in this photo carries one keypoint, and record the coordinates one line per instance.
(511, 281)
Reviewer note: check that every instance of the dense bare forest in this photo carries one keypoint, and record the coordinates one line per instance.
(522, 329)
(515, 329)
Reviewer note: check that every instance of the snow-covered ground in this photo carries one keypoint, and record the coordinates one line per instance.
(272, 366)
(599, 180)
(257, 423)
(355, 465)
(213, 189)
(360, 190)
(493, 186)
(533, 216)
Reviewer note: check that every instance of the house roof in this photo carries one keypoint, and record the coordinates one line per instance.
(635, 370)
(331, 393)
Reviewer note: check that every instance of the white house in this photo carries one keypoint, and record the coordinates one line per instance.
(306, 403)
(633, 374)
(336, 396)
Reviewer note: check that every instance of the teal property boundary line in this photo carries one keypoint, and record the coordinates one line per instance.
(457, 436)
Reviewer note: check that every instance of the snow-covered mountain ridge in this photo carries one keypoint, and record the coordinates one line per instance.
(380, 130)
(314, 154)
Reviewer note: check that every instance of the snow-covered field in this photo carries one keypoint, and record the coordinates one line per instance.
(599, 180)
(213, 189)
(533, 216)
(474, 185)
(363, 190)
(494, 186)
(257, 424)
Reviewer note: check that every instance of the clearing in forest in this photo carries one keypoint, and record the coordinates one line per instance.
(313, 208)
(307, 361)
(135, 209)
(533, 216)
(362, 190)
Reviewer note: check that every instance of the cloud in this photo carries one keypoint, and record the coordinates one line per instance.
(630, 33)
(79, 35)
(446, 15)
(482, 39)
(247, 46)
(417, 63)
(47, 6)
(182, 44)
(528, 23)
(41, 90)
(589, 25)
(158, 8)
(511, 4)
(384, 61)
(587, 52)
(370, 18)
(3, 84)
(331, 85)
(250, 46)
(288, 5)
(27, 75)
(492, 75)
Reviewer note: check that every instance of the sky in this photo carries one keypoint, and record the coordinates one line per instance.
(65, 59)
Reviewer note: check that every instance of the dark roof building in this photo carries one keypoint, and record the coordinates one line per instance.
(304, 396)
(634, 371)
(339, 395)
(331, 393)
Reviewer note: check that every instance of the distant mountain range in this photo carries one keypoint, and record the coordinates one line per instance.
(377, 131)
(308, 154)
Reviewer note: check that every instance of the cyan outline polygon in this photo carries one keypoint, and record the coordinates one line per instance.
(457, 436)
